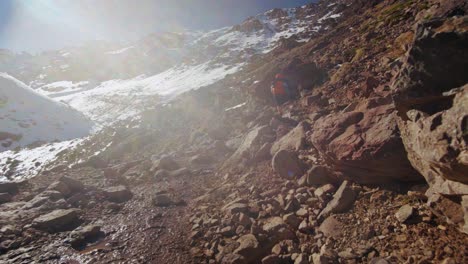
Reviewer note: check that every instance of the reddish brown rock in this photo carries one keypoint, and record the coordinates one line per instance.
(433, 111)
(287, 164)
(363, 146)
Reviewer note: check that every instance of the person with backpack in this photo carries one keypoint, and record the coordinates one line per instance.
(280, 90)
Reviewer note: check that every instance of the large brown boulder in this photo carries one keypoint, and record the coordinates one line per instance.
(432, 101)
(364, 145)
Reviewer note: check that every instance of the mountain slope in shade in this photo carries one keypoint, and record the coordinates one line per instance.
(27, 117)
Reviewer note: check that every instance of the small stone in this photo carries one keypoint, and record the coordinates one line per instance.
(347, 254)
(404, 213)
(401, 238)
(118, 194)
(233, 259)
(342, 201)
(320, 259)
(227, 231)
(293, 205)
(60, 187)
(302, 212)
(305, 227)
(379, 261)
(301, 259)
(273, 224)
(236, 208)
(81, 236)
(441, 227)
(317, 175)
(244, 220)
(162, 200)
(331, 227)
(248, 246)
(324, 190)
(72, 184)
(292, 220)
(449, 261)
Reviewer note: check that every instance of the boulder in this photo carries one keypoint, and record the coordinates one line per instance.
(331, 227)
(273, 224)
(84, 235)
(250, 145)
(318, 175)
(162, 200)
(342, 200)
(118, 194)
(432, 101)
(294, 140)
(287, 164)
(57, 221)
(60, 187)
(248, 247)
(364, 146)
(72, 184)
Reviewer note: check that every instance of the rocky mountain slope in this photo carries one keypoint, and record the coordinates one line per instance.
(366, 165)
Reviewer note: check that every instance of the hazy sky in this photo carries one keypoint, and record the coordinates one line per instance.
(35, 25)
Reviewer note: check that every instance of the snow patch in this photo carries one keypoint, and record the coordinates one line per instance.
(26, 163)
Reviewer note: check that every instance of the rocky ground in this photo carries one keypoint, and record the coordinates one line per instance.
(367, 165)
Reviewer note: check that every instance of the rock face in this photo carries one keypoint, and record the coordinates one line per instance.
(287, 164)
(433, 108)
(58, 220)
(364, 145)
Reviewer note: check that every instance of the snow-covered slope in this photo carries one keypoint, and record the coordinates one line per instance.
(27, 117)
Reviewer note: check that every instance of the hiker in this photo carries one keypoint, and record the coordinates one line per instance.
(281, 90)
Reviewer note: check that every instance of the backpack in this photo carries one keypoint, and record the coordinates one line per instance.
(280, 85)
